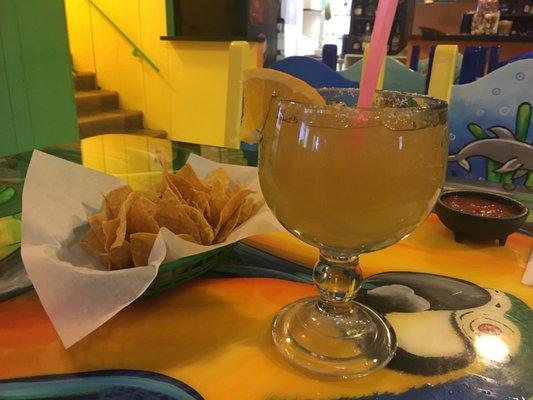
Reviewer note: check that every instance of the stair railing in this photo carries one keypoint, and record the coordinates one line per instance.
(137, 52)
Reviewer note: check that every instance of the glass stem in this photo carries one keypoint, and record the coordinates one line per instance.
(337, 277)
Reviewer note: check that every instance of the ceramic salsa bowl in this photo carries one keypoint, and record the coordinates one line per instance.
(480, 215)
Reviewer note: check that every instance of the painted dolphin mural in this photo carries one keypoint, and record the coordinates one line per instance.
(515, 156)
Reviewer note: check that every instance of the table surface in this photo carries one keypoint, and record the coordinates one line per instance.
(210, 338)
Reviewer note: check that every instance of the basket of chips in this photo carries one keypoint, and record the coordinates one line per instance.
(203, 212)
(92, 245)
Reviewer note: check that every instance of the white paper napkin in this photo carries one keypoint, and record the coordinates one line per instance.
(76, 292)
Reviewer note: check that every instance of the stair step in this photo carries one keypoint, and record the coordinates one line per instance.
(111, 121)
(94, 101)
(155, 133)
(85, 81)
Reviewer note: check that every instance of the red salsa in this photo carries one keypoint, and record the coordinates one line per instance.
(480, 206)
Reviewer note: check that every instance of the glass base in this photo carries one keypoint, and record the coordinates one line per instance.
(348, 345)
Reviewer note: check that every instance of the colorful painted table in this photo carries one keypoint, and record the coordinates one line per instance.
(463, 319)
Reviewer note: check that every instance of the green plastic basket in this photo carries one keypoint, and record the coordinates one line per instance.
(183, 270)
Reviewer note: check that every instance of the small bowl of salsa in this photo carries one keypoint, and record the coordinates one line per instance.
(480, 215)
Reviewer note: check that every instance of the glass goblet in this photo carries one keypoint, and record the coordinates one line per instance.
(348, 181)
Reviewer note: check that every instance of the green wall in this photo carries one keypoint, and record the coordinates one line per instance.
(37, 105)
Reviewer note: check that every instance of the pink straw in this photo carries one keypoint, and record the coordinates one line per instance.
(378, 46)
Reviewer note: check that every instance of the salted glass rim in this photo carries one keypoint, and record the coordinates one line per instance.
(404, 116)
(432, 104)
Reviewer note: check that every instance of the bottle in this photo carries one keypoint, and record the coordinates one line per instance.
(358, 8)
(280, 53)
(486, 18)
(371, 8)
(466, 23)
(367, 34)
(395, 41)
(504, 7)
(527, 7)
(400, 10)
(356, 44)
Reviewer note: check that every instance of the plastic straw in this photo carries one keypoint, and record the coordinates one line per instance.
(378, 47)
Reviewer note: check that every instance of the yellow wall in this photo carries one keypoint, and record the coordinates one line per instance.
(188, 97)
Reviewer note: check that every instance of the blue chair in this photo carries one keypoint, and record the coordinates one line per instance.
(430, 66)
(494, 57)
(345, 45)
(494, 111)
(473, 66)
(482, 62)
(415, 57)
(522, 56)
(314, 72)
(329, 56)
(423, 66)
(397, 76)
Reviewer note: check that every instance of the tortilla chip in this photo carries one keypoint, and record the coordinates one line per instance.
(158, 187)
(153, 195)
(120, 256)
(231, 206)
(230, 224)
(110, 232)
(116, 198)
(233, 190)
(95, 221)
(141, 246)
(195, 198)
(188, 238)
(246, 210)
(186, 172)
(170, 195)
(206, 232)
(140, 216)
(219, 174)
(217, 200)
(93, 244)
(91, 241)
(117, 227)
(172, 216)
(170, 185)
(207, 211)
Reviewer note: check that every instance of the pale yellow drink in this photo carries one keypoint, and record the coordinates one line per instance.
(358, 186)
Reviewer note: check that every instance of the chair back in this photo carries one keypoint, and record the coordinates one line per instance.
(312, 71)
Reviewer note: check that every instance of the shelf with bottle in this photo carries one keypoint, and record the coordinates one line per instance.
(395, 39)
(361, 33)
(362, 21)
(510, 9)
(361, 37)
(371, 7)
(357, 9)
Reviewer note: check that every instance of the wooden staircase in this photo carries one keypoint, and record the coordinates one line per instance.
(99, 112)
